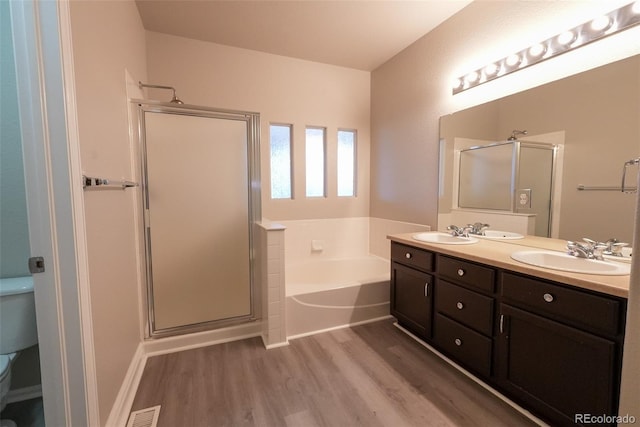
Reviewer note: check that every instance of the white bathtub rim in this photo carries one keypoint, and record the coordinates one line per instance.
(339, 307)
(298, 288)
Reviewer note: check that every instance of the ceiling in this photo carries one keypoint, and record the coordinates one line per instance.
(360, 34)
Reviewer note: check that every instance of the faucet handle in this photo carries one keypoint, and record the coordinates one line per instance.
(454, 230)
(598, 251)
(616, 248)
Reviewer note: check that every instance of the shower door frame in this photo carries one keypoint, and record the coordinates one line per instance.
(252, 122)
(515, 176)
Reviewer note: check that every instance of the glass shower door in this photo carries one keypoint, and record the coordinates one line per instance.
(197, 220)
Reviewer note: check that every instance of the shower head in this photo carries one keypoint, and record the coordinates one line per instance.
(174, 99)
(514, 134)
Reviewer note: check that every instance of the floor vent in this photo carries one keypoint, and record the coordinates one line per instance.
(147, 417)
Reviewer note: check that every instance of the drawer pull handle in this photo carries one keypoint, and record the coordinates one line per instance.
(548, 297)
(461, 272)
(459, 305)
(407, 255)
(426, 289)
(458, 342)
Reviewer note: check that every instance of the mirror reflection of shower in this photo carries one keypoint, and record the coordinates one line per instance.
(174, 99)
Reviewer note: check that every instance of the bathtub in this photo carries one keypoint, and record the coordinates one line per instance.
(332, 293)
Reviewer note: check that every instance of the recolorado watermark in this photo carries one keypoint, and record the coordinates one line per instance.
(603, 419)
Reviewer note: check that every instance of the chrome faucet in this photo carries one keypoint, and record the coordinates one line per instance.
(478, 228)
(592, 249)
(456, 231)
(584, 250)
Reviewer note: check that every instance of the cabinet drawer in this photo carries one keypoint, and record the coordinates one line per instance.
(467, 307)
(466, 346)
(576, 307)
(411, 256)
(467, 273)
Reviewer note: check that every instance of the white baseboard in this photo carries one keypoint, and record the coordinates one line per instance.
(24, 393)
(122, 405)
(173, 344)
(276, 345)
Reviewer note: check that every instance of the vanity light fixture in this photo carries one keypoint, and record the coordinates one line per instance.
(602, 26)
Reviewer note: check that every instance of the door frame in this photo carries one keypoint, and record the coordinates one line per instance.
(48, 115)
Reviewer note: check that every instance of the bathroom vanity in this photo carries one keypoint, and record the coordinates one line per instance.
(549, 340)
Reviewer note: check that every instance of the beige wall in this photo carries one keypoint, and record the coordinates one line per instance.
(282, 90)
(101, 55)
(412, 91)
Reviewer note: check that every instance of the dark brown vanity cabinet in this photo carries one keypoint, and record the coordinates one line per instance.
(555, 349)
(464, 313)
(412, 288)
(559, 349)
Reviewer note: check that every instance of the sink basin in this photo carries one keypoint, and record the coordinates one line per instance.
(444, 238)
(502, 235)
(565, 262)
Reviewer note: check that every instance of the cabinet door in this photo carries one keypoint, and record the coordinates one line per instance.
(411, 292)
(559, 371)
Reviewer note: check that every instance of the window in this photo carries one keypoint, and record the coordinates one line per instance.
(346, 163)
(280, 141)
(315, 162)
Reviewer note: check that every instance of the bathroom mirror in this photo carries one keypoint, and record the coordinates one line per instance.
(594, 119)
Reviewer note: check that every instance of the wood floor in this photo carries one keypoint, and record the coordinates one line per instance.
(369, 375)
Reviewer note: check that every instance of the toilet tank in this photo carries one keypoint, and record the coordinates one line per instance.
(17, 314)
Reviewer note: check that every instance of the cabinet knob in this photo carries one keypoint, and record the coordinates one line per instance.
(407, 255)
(461, 272)
(458, 342)
(459, 305)
(548, 297)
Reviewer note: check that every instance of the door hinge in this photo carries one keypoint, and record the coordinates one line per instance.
(36, 264)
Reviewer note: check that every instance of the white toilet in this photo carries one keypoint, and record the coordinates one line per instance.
(18, 323)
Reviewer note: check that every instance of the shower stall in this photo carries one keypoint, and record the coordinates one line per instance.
(513, 176)
(200, 197)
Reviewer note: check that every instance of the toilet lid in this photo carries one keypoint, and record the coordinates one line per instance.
(4, 365)
(16, 285)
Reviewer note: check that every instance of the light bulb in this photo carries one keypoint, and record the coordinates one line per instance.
(566, 38)
(537, 50)
(636, 7)
(601, 23)
(513, 60)
(457, 83)
(491, 69)
(472, 77)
